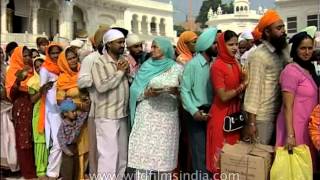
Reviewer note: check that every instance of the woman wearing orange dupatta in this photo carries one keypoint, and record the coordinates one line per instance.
(18, 74)
(67, 87)
(186, 46)
(49, 118)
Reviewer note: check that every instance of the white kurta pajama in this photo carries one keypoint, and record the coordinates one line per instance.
(111, 111)
(52, 124)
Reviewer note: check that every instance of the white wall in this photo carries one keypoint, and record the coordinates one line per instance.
(300, 9)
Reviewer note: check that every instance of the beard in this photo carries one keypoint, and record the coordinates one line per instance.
(279, 43)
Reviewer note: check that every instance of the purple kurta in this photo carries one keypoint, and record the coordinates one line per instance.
(296, 80)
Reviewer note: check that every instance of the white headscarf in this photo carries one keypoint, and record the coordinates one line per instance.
(112, 35)
(77, 43)
(133, 39)
(246, 34)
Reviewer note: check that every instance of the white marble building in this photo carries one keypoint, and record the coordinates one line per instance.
(299, 14)
(24, 20)
(242, 19)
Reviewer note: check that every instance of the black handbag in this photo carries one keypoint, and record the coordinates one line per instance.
(233, 122)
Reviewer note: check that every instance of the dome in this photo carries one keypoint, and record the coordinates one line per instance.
(241, 6)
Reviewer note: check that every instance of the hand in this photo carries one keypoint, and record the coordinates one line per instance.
(68, 152)
(21, 75)
(151, 92)
(122, 65)
(46, 87)
(250, 132)
(86, 105)
(291, 142)
(244, 76)
(200, 116)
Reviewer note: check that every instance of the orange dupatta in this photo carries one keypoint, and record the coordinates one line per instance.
(182, 47)
(53, 68)
(16, 64)
(67, 78)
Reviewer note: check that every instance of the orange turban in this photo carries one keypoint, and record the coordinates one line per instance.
(269, 17)
(256, 34)
(182, 47)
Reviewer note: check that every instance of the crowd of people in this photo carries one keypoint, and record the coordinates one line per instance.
(120, 109)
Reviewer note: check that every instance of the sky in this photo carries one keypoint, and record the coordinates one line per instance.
(181, 7)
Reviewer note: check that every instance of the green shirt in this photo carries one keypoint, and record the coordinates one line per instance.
(196, 89)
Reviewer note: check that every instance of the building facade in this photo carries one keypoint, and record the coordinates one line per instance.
(242, 19)
(299, 14)
(24, 20)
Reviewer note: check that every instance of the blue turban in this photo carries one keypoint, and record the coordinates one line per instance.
(206, 39)
(67, 105)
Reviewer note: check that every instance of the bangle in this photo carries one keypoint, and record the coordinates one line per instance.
(252, 124)
(291, 136)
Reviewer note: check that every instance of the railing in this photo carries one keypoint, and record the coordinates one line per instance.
(21, 38)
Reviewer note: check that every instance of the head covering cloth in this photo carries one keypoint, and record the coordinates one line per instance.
(182, 47)
(150, 69)
(16, 64)
(206, 39)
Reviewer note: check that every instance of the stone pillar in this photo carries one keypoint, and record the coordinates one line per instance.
(65, 19)
(35, 8)
(148, 26)
(4, 16)
(169, 27)
(139, 19)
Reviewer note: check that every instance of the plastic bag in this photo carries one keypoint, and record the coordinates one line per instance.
(295, 166)
(314, 127)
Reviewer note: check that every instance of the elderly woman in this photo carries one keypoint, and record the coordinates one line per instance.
(186, 46)
(299, 85)
(154, 139)
(67, 87)
(18, 74)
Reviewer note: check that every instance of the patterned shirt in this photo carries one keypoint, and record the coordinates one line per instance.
(112, 89)
(69, 131)
(263, 95)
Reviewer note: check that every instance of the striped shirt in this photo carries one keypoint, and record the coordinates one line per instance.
(112, 89)
(263, 95)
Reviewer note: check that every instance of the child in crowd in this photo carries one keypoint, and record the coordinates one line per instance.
(67, 137)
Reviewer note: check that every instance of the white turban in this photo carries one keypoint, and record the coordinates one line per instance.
(133, 39)
(246, 34)
(112, 35)
(77, 43)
